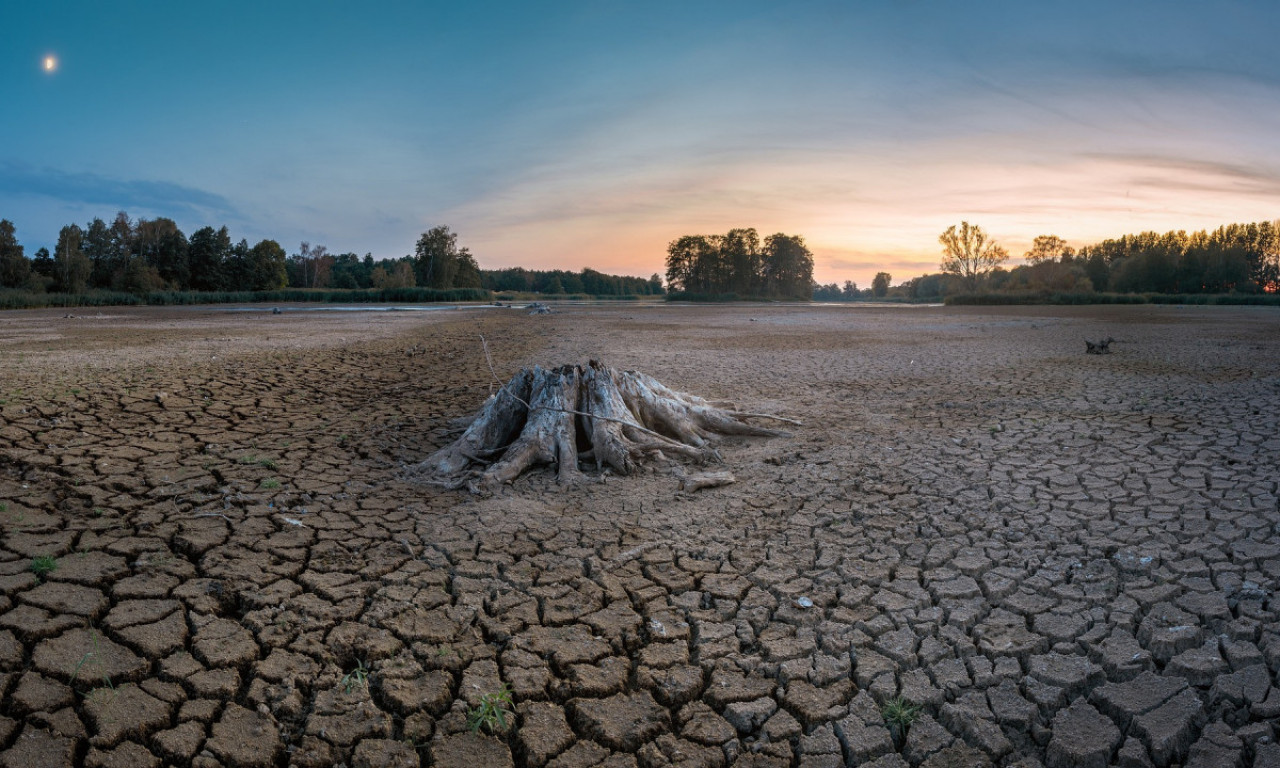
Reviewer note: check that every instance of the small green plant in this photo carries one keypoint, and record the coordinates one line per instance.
(43, 565)
(356, 678)
(92, 657)
(900, 713)
(3, 507)
(271, 483)
(493, 713)
(267, 463)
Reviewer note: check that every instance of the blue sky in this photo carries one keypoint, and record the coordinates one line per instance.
(571, 134)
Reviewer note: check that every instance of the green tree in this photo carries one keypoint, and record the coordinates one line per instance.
(44, 265)
(15, 270)
(266, 267)
(740, 252)
(968, 254)
(441, 264)
(466, 273)
(787, 267)
(310, 267)
(71, 271)
(109, 247)
(693, 264)
(98, 247)
(1049, 248)
(138, 277)
(880, 284)
(208, 255)
(163, 246)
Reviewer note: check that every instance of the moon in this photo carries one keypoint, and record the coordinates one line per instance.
(50, 63)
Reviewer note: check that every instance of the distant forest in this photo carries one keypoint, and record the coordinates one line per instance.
(1232, 259)
(737, 264)
(150, 255)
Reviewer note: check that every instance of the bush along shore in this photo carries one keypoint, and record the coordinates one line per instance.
(1235, 299)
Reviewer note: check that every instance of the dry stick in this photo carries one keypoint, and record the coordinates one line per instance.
(767, 416)
(623, 422)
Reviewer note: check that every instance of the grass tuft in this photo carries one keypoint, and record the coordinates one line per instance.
(493, 714)
(900, 713)
(43, 565)
(356, 678)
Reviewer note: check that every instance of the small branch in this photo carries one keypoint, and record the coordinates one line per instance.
(742, 414)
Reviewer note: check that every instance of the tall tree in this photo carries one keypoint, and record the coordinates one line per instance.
(968, 254)
(44, 265)
(1049, 248)
(441, 264)
(14, 268)
(163, 246)
(689, 264)
(740, 251)
(310, 267)
(207, 255)
(71, 273)
(266, 267)
(787, 267)
(880, 284)
(237, 270)
(98, 247)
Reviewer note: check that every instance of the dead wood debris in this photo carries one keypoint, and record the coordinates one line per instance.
(589, 415)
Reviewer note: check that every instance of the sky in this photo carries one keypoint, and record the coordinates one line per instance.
(572, 134)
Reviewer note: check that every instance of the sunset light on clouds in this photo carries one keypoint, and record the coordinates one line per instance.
(592, 134)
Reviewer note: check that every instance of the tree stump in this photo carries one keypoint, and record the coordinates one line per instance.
(589, 415)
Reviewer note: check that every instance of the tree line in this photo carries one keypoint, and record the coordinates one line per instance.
(559, 281)
(149, 255)
(139, 257)
(1234, 258)
(738, 263)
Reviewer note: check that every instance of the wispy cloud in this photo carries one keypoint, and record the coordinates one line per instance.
(164, 197)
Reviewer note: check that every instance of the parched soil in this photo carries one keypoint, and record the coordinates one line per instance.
(982, 548)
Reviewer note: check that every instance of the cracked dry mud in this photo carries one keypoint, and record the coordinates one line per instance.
(1064, 560)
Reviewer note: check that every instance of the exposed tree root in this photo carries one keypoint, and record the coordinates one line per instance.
(592, 414)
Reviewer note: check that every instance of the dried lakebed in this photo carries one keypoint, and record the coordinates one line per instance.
(983, 548)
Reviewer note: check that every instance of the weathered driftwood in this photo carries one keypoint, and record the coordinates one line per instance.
(701, 480)
(593, 415)
(1101, 348)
